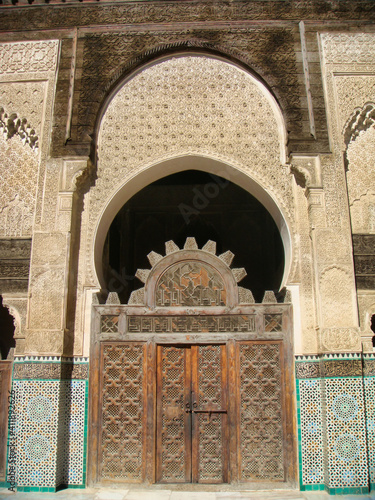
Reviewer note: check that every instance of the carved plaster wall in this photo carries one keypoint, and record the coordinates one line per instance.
(191, 105)
(27, 80)
(19, 161)
(335, 286)
(358, 95)
(309, 342)
(350, 85)
(181, 106)
(350, 88)
(348, 69)
(27, 76)
(18, 177)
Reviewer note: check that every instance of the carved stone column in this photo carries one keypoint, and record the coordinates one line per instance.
(338, 321)
(47, 328)
(50, 386)
(333, 445)
(335, 294)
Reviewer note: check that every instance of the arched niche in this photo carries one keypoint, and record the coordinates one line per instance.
(168, 167)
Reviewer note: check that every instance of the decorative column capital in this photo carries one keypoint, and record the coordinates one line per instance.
(307, 170)
(72, 169)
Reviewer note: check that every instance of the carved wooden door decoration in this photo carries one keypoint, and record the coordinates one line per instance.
(195, 379)
(260, 398)
(122, 434)
(192, 435)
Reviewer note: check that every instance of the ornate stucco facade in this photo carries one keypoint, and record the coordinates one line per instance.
(99, 100)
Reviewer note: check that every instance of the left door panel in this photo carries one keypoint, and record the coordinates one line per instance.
(123, 390)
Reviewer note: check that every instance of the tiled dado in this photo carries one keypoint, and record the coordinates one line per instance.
(334, 444)
(336, 422)
(309, 413)
(51, 422)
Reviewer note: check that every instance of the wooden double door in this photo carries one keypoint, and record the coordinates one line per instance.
(192, 414)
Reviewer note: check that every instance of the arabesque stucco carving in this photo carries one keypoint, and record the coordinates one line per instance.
(190, 105)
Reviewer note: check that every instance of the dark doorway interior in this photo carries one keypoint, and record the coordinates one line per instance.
(193, 203)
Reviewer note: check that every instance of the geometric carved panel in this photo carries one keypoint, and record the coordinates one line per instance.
(173, 434)
(260, 409)
(34, 57)
(273, 322)
(211, 395)
(109, 323)
(122, 420)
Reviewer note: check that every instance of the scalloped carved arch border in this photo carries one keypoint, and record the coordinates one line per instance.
(16, 318)
(362, 196)
(360, 121)
(331, 267)
(12, 124)
(17, 307)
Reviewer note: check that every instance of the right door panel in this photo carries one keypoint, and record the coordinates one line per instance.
(210, 414)
(260, 411)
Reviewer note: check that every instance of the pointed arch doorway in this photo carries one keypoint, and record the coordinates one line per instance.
(194, 378)
(176, 318)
